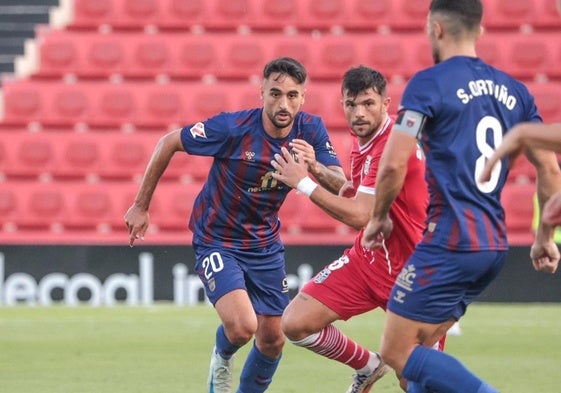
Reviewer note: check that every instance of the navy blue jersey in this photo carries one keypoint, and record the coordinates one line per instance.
(239, 203)
(468, 107)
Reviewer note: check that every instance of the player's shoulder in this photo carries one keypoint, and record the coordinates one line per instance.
(306, 118)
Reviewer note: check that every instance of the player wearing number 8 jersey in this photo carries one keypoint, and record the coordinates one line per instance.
(459, 109)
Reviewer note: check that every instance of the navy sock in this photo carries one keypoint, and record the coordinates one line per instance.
(441, 372)
(223, 346)
(414, 387)
(257, 372)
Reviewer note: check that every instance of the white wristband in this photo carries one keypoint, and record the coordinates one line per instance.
(306, 186)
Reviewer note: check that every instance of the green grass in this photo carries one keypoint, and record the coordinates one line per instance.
(166, 349)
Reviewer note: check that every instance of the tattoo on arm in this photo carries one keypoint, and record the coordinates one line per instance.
(330, 179)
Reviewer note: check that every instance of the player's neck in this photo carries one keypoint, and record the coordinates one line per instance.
(457, 49)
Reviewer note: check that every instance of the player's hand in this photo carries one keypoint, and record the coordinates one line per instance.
(306, 152)
(137, 222)
(552, 210)
(375, 232)
(545, 256)
(289, 170)
(510, 146)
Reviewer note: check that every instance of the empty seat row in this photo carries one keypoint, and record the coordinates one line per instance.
(305, 14)
(85, 207)
(150, 105)
(257, 14)
(82, 206)
(106, 155)
(90, 156)
(225, 56)
(159, 106)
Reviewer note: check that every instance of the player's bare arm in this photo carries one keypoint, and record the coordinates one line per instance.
(551, 213)
(137, 217)
(353, 212)
(332, 177)
(532, 135)
(544, 252)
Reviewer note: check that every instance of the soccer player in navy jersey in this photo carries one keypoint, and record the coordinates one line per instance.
(534, 135)
(459, 109)
(360, 280)
(239, 254)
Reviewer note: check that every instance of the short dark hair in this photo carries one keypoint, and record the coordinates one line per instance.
(465, 13)
(360, 78)
(287, 66)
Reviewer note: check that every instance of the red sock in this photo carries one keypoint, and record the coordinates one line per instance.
(333, 344)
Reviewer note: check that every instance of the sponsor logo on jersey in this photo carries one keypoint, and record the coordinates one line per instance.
(406, 277)
(322, 276)
(330, 149)
(366, 167)
(399, 296)
(249, 155)
(198, 130)
(285, 285)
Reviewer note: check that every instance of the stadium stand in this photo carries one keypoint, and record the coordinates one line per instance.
(84, 103)
(519, 209)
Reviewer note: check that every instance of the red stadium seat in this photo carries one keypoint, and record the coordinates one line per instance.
(511, 14)
(342, 143)
(9, 206)
(176, 202)
(547, 96)
(519, 210)
(29, 156)
(522, 171)
(43, 205)
(368, 15)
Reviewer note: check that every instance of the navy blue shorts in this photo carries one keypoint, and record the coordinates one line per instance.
(262, 276)
(437, 284)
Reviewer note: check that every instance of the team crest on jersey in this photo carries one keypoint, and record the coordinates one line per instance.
(366, 167)
(211, 285)
(410, 122)
(198, 130)
(322, 276)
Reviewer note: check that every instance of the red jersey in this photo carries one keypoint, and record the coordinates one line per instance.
(408, 211)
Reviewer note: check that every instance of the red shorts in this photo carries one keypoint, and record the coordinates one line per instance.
(352, 285)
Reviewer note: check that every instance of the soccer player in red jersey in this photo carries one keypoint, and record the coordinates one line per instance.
(360, 280)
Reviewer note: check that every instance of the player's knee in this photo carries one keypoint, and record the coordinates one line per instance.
(292, 327)
(391, 358)
(240, 333)
(271, 346)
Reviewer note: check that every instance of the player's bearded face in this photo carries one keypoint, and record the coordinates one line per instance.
(365, 112)
(282, 99)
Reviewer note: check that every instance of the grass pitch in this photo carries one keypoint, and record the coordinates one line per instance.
(165, 348)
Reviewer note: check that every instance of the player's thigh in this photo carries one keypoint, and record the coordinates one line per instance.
(219, 272)
(306, 315)
(266, 283)
(236, 313)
